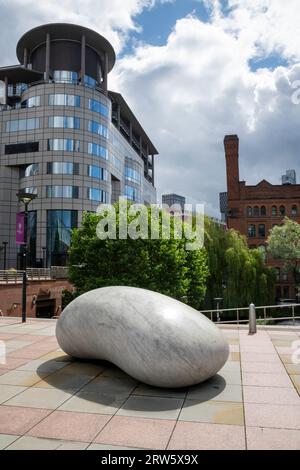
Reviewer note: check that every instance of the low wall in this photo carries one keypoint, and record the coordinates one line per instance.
(37, 291)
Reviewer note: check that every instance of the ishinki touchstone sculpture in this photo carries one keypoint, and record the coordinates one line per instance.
(152, 337)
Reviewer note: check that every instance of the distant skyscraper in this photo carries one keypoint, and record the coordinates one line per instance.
(173, 199)
(289, 177)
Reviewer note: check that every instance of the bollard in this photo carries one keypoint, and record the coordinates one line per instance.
(252, 320)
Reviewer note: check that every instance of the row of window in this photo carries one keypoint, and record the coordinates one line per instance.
(65, 168)
(132, 193)
(57, 122)
(253, 233)
(275, 211)
(62, 99)
(72, 192)
(132, 175)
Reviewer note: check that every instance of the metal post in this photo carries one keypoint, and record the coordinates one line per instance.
(4, 255)
(252, 320)
(47, 59)
(24, 286)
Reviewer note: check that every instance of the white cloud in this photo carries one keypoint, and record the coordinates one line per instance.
(198, 87)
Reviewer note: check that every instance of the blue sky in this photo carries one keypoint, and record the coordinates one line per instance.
(158, 22)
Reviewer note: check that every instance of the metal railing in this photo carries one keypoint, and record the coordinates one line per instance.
(33, 274)
(262, 314)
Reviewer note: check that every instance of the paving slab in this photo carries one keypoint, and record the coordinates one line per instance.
(216, 412)
(151, 407)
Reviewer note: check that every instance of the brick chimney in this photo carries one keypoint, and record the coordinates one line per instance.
(231, 144)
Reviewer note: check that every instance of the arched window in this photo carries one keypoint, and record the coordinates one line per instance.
(256, 211)
(294, 211)
(249, 211)
(274, 211)
(263, 211)
(282, 211)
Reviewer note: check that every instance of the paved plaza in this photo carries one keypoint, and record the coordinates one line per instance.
(50, 401)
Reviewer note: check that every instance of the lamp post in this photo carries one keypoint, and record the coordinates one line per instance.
(4, 255)
(26, 198)
(44, 256)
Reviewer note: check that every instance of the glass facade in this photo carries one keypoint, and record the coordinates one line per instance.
(61, 99)
(132, 175)
(98, 107)
(96, 194)
(31, 102)
(30, 170)
(20, 125)
(65, 122)
(30, 189)
(97, 150)
(65, 76)
(132, 193)
(63, 145)
(98, 172)
(62, 168)
(59, 226)
(90, 81)
(97, 128)
(62, 191)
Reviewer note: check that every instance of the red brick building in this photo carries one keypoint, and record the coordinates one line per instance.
(254, 210)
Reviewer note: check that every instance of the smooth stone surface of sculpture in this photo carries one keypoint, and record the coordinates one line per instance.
(154, 338)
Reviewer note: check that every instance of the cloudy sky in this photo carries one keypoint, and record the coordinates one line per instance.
(193, 71)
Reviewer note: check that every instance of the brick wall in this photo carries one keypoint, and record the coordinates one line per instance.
(11, 296)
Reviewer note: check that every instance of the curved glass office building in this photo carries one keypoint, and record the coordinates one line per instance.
(65, 137)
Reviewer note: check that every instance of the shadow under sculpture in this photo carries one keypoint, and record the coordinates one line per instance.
(154, 338)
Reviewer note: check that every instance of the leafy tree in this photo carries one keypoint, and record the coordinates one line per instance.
(284, 244)
(237, 274)
(160, 265)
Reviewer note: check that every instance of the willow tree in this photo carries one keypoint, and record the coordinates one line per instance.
(237, 274)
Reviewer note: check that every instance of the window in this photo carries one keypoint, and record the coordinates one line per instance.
(274, 211)
(59, 226)
(294, 211)
(30, 170)
(64, 145)
(62, 168)
(131, 193)
(98, 150)
(66, 122)
(95, 194)
(284, 275)
(286, 292)
(249, 211)
(64, 100)
(132, 175)
(263, 211)
(277, 270)
(98, 107)
(90, 82)
(26, 147)
(251, 231)
(31, 190)
(262, 231)
(97, 128)
(97, 172)
(32, 102)
(116, 162)
(256, 211)
(65, 76)
(22, 125)
(282, 211)
(62, 191)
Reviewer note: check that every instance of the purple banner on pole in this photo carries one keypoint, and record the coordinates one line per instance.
(20, 233)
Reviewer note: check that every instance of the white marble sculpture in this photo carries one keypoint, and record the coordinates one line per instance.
(152, 337)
